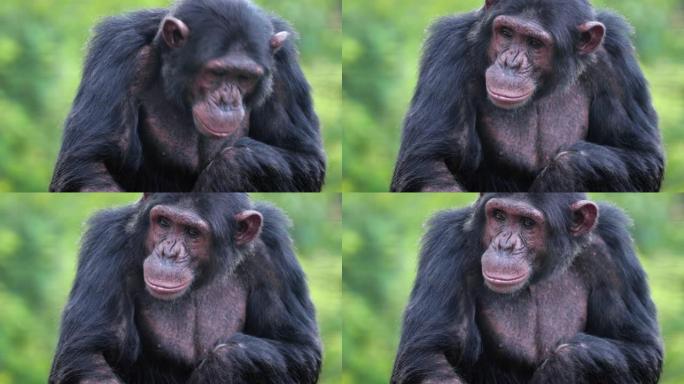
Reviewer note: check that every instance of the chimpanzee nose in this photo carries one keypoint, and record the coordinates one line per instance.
(506, 242)
(512, 59)
(171, 249)
(229, 97)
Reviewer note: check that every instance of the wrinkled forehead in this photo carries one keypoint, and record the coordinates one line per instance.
(519, 206)
(528, 26)
(179, 215)
(558, 18)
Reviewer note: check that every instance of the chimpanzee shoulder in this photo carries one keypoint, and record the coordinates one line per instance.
(611, 251)
(447, 229)
(107, 76)
(617, 71)
(431, 127)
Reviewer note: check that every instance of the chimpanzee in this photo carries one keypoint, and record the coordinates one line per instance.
(196, 288)
(204, 96)
(523, 95)
(529, 289)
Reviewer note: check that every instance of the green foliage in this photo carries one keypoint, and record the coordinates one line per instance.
(380, 55)
(39, 239)
(380, 244)
(42, 45)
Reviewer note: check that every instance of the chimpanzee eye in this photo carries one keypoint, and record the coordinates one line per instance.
(244, 78)
(163, 222)
(506, 32)
(218, 72)
(192, 232)
(535, 43)
(499, 215)
(527, 223)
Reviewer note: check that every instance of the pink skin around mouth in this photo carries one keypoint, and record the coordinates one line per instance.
(207, 128)
(165, 290)
(506, 99)
(504, 282)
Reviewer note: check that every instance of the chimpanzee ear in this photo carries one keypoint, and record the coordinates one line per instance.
(489, 3)
(249, 226)
(278, 39)
(591, 36)
(584, 217)
(174, 32)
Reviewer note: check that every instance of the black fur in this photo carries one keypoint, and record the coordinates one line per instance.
(441, 144)
(100, 341)
(441, 339)
(102, 147)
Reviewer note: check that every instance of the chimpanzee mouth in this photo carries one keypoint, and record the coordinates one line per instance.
(163, 289)
(504, 281)
(216, 121)
(507, 99)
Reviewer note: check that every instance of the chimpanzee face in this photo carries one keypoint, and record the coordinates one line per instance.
(178, 243)
(521, 56)
(179, 247)
(520, 53)
(221, 89)
(515, 240)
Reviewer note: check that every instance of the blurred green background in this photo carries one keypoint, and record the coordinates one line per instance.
(42, 45)
(380, 242)
(39, 240)
(381, 49)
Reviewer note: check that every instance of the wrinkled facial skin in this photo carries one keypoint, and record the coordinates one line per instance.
(514, 238)
(520, 53)
(178, 243)
(219, 93)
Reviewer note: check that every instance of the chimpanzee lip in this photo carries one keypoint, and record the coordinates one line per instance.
(214, 132)
(508, 99)
(161, 289)
(504, 280)
(208, 128)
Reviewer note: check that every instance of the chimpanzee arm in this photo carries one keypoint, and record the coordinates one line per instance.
(100, 130)
(623, 151)
(621, 342)
(283, 151)
(439, 128)
(280, 341)
(440, 341)
(255, 166)
(96, 323)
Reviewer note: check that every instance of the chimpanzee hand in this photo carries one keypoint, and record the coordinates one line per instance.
(557, 366)
(588, 166)
(242, 358)
(591, 359)
(250, 165)
(217, 367)
(558, 176)
(223, 173)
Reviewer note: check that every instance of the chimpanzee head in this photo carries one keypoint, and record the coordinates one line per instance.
(187, 239)
(217, 60)
(527, 237)
(536, 46)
